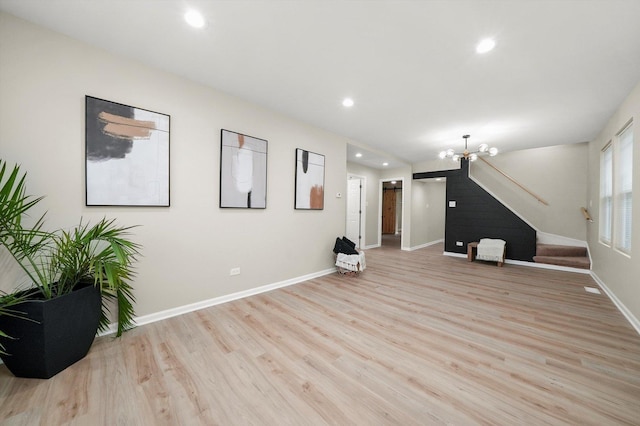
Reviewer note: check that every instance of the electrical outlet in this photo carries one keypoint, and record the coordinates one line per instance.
(234, 271)
(458, 243)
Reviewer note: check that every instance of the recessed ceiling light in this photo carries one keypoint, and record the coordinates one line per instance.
(194, 18)
(385, 164)
(485, 45)
(347, 102)
(359, 154)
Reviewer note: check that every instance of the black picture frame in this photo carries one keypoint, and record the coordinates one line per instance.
(243, 171)
(309, 180)
(127, 153)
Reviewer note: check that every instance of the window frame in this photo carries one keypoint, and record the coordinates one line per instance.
(605, 222)
(623, 190)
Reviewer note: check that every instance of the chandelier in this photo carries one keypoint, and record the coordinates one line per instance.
(483, 149)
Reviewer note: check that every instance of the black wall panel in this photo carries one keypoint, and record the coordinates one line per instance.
(478, 215)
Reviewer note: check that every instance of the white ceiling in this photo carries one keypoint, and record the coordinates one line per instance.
(559, 70)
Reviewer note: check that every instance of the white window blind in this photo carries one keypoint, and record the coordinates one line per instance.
(606, 193)
(623, 189)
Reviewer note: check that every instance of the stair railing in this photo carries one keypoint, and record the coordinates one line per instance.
(586, 214)
(516, 182)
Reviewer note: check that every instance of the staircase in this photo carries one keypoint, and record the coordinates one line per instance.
(570, 256)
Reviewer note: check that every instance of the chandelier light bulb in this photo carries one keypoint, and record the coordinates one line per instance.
(467, 153)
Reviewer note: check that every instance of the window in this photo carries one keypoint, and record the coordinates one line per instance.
(616, 194)
(623, 189)
(606, 193)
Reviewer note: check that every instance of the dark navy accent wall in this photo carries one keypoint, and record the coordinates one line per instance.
(478, 215)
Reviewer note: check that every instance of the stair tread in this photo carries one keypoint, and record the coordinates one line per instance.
(557, 246)
(572, 261)
(560, 250)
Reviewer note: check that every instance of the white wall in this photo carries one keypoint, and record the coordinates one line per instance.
(428, 211)
(620, 273)
(557, 174)
(190, 247)
(426, 223)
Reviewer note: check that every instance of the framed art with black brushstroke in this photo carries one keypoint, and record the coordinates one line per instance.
(127, 155)
(243, 171)
(309, 180)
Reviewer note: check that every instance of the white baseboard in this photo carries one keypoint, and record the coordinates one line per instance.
(529, 264)
(547, 238)
(180, 310)
(371, 246)
(426, 244)
(452, 254)
(547, 266)
(159, 316)
(635, 323)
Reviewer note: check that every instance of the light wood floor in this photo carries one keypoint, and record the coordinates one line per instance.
(418, 338)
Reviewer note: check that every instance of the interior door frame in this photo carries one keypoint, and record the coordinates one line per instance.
(380, 195)
(363, 207)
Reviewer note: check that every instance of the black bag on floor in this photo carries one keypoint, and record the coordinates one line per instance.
(348, 241)
(343, 247)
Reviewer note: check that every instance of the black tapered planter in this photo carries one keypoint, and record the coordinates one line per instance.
(61, 335)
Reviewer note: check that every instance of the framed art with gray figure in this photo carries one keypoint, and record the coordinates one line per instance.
(127, 155)
(309, 180)
(243, 171)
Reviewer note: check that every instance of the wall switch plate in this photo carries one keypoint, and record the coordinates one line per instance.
(234, 271)
(459, 243)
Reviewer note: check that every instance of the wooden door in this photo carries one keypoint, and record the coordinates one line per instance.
(389, 211)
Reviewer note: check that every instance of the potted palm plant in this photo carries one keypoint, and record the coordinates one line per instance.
(7, 302)
(75, 277)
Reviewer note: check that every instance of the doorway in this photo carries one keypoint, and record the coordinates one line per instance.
(391, 212)
(356, 209)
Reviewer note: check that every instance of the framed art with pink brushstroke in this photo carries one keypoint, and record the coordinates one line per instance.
(126, 155)
(243, 171)
(309, 180)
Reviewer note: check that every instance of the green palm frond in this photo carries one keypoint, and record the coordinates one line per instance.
(58, 261)
(7, 302)
(103, 253)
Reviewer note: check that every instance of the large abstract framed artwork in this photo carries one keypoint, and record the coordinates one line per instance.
(243, 171)
(309, 180)
(127, 155)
